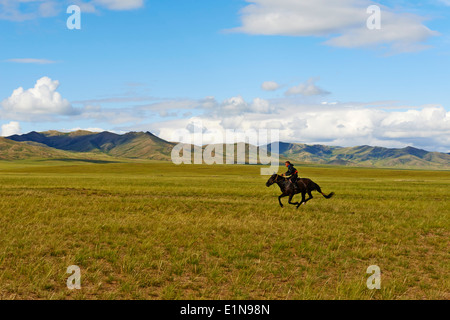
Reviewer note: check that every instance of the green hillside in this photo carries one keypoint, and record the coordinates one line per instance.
(408, 157)
(145, 145)
(135, 145)
(29, 150)
(12, 150)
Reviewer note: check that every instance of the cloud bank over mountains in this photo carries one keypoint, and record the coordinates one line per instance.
(299, 120)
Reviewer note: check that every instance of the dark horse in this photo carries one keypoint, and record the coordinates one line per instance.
(305, 186)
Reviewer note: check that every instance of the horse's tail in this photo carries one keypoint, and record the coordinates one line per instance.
(327, 196)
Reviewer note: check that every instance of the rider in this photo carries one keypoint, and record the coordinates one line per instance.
(291, 172)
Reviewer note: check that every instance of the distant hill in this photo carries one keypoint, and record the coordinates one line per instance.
(12, 150)
(363, 156)
(145, 145)
(136, 145)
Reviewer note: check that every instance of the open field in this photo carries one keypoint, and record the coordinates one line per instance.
(153, 230)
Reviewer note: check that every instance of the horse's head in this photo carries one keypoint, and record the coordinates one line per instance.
(273, 179)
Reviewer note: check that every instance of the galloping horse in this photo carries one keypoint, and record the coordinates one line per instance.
(305, 186)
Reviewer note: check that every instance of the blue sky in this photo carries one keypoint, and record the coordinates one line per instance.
(313, 70)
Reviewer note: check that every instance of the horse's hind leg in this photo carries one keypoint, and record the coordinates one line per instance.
(302, 201)
(310, 197)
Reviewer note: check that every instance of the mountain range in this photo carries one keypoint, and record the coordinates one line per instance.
(136, 145)
(145, 145)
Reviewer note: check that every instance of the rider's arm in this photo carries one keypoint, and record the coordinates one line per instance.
(290, 171)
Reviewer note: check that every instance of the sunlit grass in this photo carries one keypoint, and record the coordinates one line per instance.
(159, 231)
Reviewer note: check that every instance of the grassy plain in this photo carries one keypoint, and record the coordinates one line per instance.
(153, 230)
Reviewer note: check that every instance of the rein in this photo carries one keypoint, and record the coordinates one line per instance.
(276, 180)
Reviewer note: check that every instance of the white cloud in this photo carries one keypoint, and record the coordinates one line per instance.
(117, 5)
(31, 60)
(381, 123)
(403, 32)
(85, 129)
(237, 106)
(172, 105)
(10, 10)
(233, 106)
(270, 86)
(344, 22)
(110, 115)
(116, 99)
(22, 10)
(120, 4)
(341, 124)
(84, 7)
(49, 9)
(42, 99)
(329, 103)
(308, 88)
(261, 106)
(10, 129)
(384, 123)
(426, 122)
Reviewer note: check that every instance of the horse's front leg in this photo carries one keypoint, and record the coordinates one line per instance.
(290, 200)
(279, 199)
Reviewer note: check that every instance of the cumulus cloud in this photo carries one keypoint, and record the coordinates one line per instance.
(270, 86)
(427, 122)
(341, 124)
(403, 32)
(42, 99)
(237, 106)
(10, 129)
(308, 88)
(382, 123)
(343, 22)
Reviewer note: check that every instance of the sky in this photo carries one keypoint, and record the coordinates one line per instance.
(328, 72)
